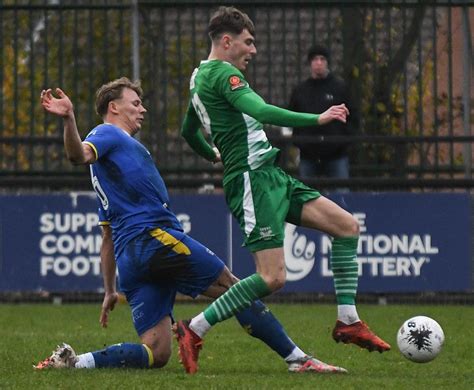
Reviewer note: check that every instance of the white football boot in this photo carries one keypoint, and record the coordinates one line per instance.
(63, 357)
(311, 364)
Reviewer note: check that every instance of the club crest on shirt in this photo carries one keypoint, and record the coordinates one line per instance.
(235, 83)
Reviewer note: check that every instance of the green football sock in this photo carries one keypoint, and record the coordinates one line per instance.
(345, 269)
(238, 297)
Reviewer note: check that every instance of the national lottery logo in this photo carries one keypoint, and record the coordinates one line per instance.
(300, 253)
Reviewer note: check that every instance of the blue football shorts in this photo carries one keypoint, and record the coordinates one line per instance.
(155, 266)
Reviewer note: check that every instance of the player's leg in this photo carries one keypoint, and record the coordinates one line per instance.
(240, 295)
(151, 305)
(151, 308)
(123, 355)
(261, 214)
(158, 339)
(259, 322)
(201, 276)
(154, 351)
(209, 277)
(328, 217)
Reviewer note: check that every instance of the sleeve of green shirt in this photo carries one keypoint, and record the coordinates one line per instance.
(191, 132)
(254, 106)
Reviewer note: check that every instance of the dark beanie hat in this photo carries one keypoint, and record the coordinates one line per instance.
(318, 50)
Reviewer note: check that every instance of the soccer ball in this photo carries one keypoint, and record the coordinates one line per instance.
(420, 339)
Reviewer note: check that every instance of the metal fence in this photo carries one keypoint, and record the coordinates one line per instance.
(408, 65)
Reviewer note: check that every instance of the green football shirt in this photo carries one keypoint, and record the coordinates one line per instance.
(243, 144)
(223, 103)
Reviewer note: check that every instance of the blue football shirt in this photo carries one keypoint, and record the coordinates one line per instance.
(131, 192)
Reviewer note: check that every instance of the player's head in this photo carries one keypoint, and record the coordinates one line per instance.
(229, 20)
(233, 36)
(119, 102)
(318, 60)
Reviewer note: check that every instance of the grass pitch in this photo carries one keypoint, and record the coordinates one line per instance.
(231, 359)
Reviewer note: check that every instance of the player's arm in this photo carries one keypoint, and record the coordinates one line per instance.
(108, 266)
(191, 132)
(253, 105)
(76, 151)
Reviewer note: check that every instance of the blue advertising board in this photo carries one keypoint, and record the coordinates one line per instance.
(408, 242)
(52, 242)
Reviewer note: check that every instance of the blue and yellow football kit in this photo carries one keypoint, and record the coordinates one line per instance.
(155, 258)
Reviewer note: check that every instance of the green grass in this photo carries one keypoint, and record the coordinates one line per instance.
(231, 359)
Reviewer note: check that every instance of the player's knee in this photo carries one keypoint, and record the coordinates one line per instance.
(226, 279)
(275, 281)
(350, 227)
(354, 227)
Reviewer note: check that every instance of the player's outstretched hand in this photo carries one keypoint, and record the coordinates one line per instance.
(61, 106)
(107, 306)
(339, 112)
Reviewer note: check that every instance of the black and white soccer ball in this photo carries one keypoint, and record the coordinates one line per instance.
(420, 339)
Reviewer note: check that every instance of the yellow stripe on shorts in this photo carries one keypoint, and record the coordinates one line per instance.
(168, 240)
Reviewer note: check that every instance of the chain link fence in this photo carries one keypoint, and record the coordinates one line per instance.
(408, 65)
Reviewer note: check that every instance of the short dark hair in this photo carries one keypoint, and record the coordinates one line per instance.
(318, 50)
(229, 20)
(113, 90)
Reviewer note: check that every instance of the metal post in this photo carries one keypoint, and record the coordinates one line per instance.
(135, 46)
(467, 85)
(230, 258)
(135, 41)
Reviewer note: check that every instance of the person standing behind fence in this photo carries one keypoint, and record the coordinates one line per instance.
(316, 94)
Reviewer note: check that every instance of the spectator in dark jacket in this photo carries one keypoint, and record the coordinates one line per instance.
(317, 94)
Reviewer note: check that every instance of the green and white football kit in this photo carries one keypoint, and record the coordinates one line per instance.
(260, 195)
